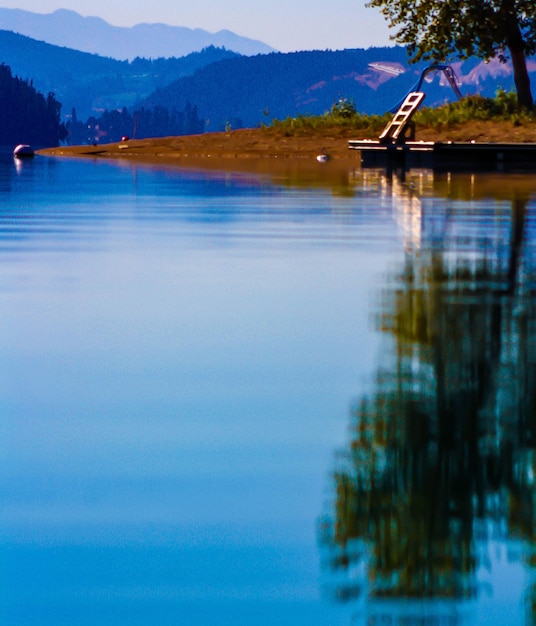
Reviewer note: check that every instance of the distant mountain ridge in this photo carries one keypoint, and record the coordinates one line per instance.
(95, 35)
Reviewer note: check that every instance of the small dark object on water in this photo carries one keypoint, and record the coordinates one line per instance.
(125, 138)
(23, 151)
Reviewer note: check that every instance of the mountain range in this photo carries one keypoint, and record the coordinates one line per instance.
(222, 88)
(94, 35)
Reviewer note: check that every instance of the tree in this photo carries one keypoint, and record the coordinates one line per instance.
(439, 29)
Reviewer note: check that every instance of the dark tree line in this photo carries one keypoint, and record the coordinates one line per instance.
(29, 116)
(112, 126)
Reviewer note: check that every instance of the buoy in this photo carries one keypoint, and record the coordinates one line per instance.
(322, 158)
(23, 151)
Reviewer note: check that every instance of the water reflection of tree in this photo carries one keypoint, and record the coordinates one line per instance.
(447, 437)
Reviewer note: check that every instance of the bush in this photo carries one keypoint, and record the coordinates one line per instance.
(503, 107)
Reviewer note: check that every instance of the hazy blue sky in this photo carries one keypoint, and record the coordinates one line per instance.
(284, 24)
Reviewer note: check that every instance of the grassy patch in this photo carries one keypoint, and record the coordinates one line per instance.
(343, 116)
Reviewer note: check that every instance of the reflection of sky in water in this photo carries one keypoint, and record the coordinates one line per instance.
(178, 354)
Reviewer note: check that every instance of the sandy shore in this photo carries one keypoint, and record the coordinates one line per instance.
(238, 144)
(269, 145)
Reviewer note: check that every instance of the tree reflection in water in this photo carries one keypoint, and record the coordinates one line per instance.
(442, 452)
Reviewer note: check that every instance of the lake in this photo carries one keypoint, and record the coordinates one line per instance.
(289, 397)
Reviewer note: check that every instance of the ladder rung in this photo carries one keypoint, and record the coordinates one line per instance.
(404, 114)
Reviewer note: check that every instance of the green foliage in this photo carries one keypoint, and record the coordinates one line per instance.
(344, 108)
(503, 107)
(442, 29)
(341, 116)
(437, 29)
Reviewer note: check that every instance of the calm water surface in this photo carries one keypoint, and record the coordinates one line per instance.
(238, 399)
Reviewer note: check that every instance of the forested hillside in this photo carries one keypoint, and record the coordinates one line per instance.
(247, 91)
(28, 116)
(91, 83)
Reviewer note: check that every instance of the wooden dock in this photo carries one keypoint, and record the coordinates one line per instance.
(465, 156)
(396, 148)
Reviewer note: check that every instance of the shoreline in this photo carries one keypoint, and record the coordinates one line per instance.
(243, 144)
(252, 148)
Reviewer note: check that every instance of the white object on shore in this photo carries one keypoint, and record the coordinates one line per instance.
(23, 151)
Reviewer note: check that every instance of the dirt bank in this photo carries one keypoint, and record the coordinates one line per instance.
(270, 144)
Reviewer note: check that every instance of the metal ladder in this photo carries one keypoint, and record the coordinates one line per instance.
(395, 130)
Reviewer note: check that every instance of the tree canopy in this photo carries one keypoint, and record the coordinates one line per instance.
(27, 115)
(442, 29)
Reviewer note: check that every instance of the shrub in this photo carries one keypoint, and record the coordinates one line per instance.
(503, 107)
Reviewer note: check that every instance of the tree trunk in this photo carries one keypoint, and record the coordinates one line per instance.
(519, 217)
(515, 45)
(521, 78)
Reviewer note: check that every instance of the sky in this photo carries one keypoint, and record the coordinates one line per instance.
(286, 25)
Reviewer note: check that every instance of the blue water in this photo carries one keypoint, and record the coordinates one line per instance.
(179, 350)
(179, 354)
